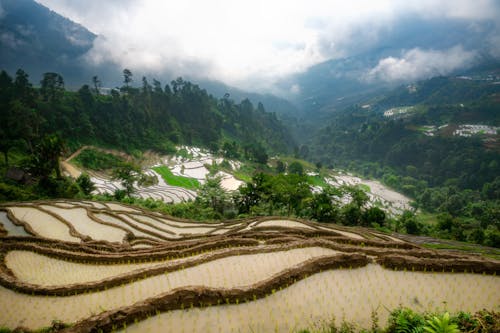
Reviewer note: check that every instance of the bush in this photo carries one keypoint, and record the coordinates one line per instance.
(14, 193)
(405, 320)
(57, 187)
(96, 160)
(441, 324)
(85, 184)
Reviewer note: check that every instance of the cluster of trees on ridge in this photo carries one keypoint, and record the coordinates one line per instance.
(150, 117)
(40, 123)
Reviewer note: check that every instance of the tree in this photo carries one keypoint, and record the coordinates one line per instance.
(46, 156)
(128, 174)
(351, 214)
(289, 192)
(322, 208)
(373, 215)
(212, 195)
(251, 193)
(127, 77)
(445, 222)
(85, 184)
(52, 87)
(358, 196)
(6, 115)
(230, 150)
(304, 151)
(280, 167)
(410, 223)
(97, 84)
(23, 89)
(296, 168)
(256, 152)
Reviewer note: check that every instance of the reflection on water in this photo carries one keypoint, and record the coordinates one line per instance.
(12, 229)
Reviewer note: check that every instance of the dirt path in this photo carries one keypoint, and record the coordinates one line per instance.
(70, 169)
(73, 171)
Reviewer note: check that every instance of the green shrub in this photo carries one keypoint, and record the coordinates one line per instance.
(441, 324)
(85, 184)
(404, 320)
(96, 160)
(13, 193)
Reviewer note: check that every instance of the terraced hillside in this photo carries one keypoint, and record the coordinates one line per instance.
(192, 167)
(109, 267)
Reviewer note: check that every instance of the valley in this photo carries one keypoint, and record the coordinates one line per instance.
(239, 166)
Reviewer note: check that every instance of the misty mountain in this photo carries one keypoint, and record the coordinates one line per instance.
(39, 40)
(281, 106)
(413, 48)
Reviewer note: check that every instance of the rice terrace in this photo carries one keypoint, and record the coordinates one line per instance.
(104, 267)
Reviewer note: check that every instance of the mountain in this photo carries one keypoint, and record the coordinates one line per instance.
(410, 49)
(413, 130)
(282, 107)
(39, 40)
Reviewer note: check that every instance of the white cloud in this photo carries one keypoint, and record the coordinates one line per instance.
(419, 64)
(245, 42)
(459, 9)
(295, 89)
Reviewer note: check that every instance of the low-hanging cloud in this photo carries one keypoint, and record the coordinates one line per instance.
(250, 43)
(418, 64)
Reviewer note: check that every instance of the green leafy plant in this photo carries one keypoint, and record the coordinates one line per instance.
(441, 324)
(405, 321)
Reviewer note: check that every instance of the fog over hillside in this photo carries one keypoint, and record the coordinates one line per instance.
(268, 46)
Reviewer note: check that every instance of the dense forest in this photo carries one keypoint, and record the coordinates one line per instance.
(149, 117)
(454, 176)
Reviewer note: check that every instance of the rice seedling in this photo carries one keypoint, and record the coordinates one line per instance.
(308, 296)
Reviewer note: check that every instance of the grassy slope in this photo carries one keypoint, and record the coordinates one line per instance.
(171, 179)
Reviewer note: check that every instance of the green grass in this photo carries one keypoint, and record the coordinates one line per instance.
(184, 153)
(427, 218)
(308, 166)
(245, 172)
(242, 176)
(364, 187)
(171, 179)
(316, 181)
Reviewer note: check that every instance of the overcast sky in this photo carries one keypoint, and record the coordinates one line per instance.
(243, 42)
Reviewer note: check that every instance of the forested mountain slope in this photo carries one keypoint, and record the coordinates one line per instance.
(150, 117)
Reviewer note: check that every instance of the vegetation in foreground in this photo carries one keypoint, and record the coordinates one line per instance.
(401, 320)
(406, 320)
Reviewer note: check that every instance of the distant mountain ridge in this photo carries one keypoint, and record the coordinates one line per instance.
(39, 40)
(344, 81)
